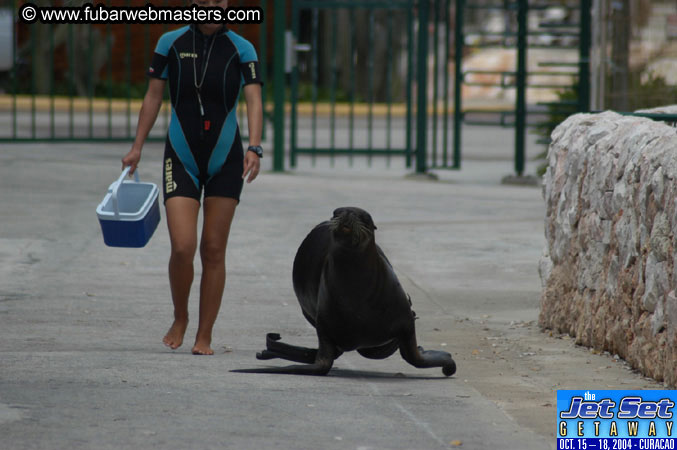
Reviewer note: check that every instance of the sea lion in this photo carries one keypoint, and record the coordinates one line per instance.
(349, 292)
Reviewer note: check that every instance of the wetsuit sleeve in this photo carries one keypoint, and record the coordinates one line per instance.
(249, 62)
(158, 65)
(251, 73)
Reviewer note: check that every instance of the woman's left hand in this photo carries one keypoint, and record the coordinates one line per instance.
(252, 165)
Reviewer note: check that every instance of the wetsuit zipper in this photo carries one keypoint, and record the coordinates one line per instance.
(206, 41)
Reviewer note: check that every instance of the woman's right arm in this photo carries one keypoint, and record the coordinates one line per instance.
(149, 112)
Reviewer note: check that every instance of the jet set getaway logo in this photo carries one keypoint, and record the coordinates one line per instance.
(615, 420)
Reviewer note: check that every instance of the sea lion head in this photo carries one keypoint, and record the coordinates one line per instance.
(352, 227)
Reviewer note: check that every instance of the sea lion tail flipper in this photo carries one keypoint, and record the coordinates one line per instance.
(422, 359)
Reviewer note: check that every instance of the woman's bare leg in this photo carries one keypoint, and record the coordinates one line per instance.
(218, 216)
(182, 223)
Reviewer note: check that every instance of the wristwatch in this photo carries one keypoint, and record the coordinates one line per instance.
(256, 149)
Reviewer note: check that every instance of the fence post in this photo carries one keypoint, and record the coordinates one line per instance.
(410, 83)
(521, 80)
(280, 15)
(263, 57)
(422, 94)
(584, 57)
(458, 79)
(13, 75)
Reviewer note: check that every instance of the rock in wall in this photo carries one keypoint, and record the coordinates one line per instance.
(609, 266)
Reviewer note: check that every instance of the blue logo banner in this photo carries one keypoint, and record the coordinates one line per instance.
(605, 419)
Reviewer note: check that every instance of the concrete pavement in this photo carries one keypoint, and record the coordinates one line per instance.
(81, 359)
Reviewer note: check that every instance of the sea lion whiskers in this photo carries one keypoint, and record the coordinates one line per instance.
(334, 223)
(348, 223)
(356, 232)
(361, 233)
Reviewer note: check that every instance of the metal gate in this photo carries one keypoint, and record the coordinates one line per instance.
(368, 78)
(342, 52)
(359, 78)
(521, 34)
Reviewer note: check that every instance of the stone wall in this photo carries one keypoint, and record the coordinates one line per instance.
(609, 269)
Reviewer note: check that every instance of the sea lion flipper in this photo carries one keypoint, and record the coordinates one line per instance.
(267, 354)
(422, 359)
(273, 337)
(277, 349)
(321, 365)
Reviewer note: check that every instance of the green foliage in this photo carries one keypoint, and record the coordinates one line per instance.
(650, 93)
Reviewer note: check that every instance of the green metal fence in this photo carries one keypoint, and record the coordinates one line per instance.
(520, 37)
(332, 12)
(416, 116)
(83, 82)
(366, 77)
(359, 79)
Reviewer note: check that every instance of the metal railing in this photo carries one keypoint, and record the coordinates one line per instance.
(518, 79)
(361, 83)
(374, 78)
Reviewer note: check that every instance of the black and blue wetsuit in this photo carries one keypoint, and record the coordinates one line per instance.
(203, 147)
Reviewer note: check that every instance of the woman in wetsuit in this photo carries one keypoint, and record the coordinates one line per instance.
(207, 66)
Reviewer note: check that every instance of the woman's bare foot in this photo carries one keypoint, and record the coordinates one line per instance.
(174, 337)
(202, 346)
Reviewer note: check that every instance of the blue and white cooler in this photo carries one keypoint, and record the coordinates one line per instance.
(129, 213)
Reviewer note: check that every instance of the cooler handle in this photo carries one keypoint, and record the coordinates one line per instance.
(117, 185)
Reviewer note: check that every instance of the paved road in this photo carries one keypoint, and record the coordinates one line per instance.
(82, 365)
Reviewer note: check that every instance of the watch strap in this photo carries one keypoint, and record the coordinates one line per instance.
(256, 149)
